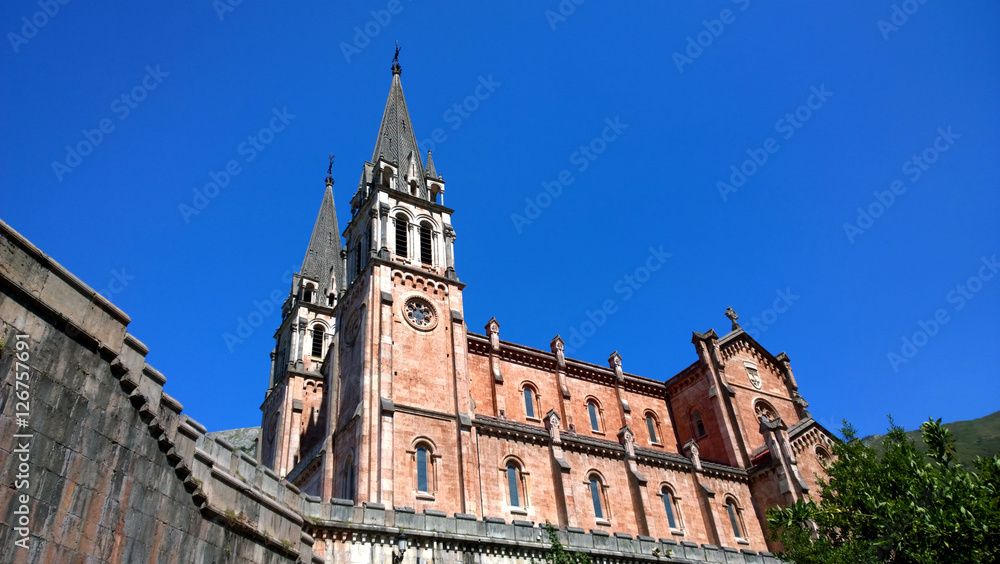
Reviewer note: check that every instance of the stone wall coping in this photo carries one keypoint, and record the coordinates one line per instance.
(154, 375)
(50, 264)
(379, 523)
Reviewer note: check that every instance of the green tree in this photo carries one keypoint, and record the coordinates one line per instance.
(892, 504)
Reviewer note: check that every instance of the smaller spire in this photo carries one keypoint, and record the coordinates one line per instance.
(431, 171)
(396, 69)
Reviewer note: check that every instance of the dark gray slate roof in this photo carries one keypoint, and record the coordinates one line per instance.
(323, 255)
(396, 141)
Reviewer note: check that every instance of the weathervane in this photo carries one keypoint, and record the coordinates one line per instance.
(396, 69)
(329, 171)
(732, 317)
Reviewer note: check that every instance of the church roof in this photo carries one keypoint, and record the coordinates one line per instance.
(323, 255)
(396, 141)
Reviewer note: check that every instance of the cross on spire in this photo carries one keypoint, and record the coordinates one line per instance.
(396, 69)
(329, 171)
(732, 317)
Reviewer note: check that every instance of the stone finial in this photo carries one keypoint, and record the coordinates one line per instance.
(615, 362)
(493, 330)
(558, 347)
(732, 317)
(786, 365)
(627, 438)
(552, 424)
(691, 451)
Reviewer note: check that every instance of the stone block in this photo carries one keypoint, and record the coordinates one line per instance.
(498, 528)
(408, 519)
(374, 514)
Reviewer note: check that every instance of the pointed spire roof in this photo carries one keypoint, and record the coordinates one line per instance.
(323, 255)
(396, 141)
(431, 171)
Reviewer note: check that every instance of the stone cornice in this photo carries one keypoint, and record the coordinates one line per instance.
(581, 370)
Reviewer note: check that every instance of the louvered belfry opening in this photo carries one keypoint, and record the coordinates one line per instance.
(425, 244)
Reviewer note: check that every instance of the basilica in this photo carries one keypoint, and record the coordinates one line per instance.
(381, 394)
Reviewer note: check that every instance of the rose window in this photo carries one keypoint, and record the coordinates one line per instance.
(420, 314)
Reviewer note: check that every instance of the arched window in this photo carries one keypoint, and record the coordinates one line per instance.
(596, 495)
(425, 244)
(424, 469)
(651, 426)
(317, 342)
(358, 263)
(735, 517)
(421, 469)
(697, 426)
(347, 476)
(514, 484)
(402, 228)
(763, 409)
(530, 402)
(307, 294)
(671, 507)
(594, 411)
(350, 481)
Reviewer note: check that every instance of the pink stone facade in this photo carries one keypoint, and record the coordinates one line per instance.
(405, 407)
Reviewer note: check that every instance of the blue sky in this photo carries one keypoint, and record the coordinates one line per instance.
(832, 178)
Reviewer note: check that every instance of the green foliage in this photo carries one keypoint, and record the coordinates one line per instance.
(975, 438)
(895, 504)
(557, 554)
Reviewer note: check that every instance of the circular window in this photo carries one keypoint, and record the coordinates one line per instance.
(419, 313)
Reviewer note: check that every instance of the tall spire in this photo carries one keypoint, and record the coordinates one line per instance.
(396, 141)
(323, 255)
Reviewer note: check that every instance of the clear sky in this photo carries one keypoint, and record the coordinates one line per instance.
(623, 172)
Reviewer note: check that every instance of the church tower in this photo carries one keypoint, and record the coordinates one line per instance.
(402, 399)
(369, 397)
(294, 416)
